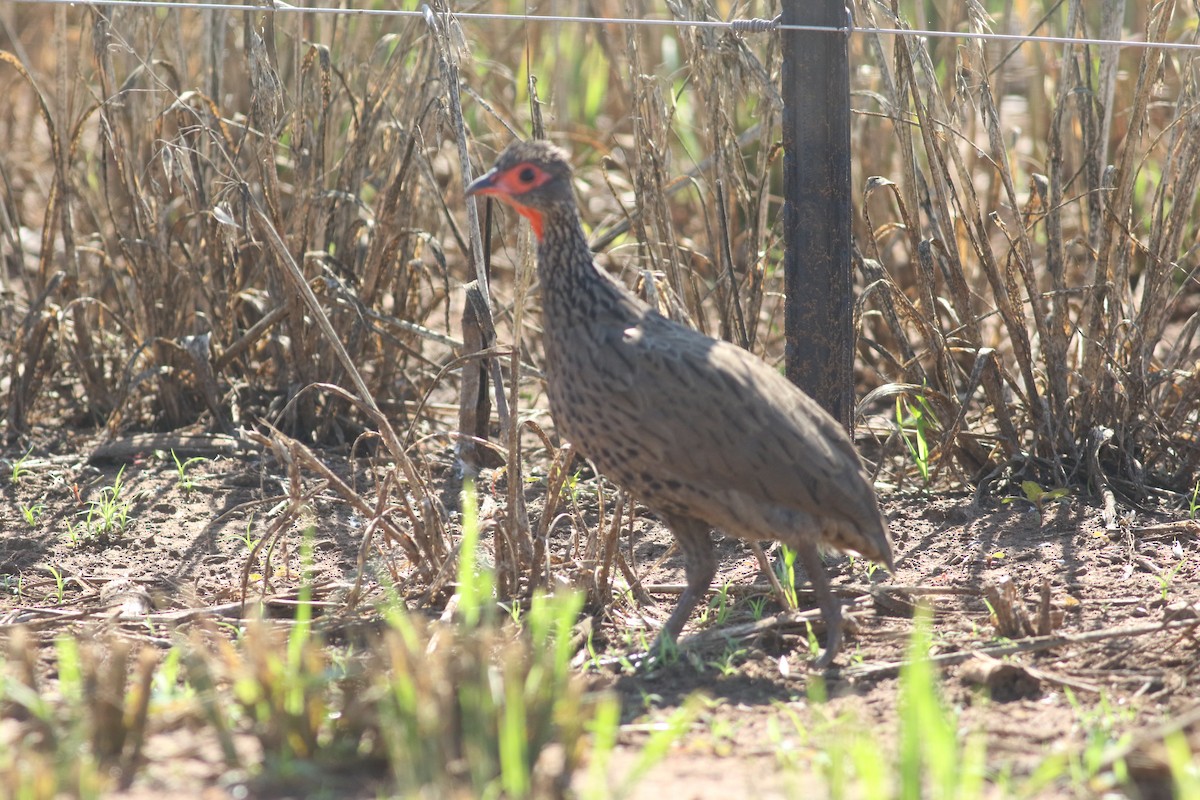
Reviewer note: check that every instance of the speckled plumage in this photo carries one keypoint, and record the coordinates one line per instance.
(698, 429)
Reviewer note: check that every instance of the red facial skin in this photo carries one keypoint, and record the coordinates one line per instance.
(509, 185)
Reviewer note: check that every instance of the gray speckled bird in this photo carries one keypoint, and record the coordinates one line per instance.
(701, 431)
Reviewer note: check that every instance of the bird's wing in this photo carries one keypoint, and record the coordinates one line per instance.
(711, 414)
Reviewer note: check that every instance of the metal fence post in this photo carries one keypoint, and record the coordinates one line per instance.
(816, 167)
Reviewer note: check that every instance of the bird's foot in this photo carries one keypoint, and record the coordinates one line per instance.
(831, 607)
(825, 660)
(662, 653)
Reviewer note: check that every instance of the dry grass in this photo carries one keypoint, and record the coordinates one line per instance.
(1026, 269)
(1040, 292)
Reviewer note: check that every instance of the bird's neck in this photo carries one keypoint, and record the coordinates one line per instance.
(564, 258)
(576, 296)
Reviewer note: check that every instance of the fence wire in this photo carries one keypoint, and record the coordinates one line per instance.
(750, 25)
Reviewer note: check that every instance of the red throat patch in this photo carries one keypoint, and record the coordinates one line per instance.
(534, 217)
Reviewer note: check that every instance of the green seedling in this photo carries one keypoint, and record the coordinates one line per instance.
(663, 739)
(106, 515)
(1194, 502)
(718, 607)
(727, 664)
(662, 653)
(13, 585)
(928, 755)
(19, 470)
(758, 607)
(1165, 578)
(916, 421)
(1104, 726)
(785, 570)
(60, 583)
(649, 700)
(593, 655)
(475, 588)
(935, 759)
(183, 480)
(603, 727)
(570, 487)
(814, 644)
(1039, 496)
(246, 538)
(32, 513)
(856, 657)
(1185, 770)
(659, 744)
(484, 686)
(722, 735)
(1035, 494)
(868, 566)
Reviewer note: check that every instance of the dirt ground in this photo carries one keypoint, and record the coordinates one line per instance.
(1115, 660)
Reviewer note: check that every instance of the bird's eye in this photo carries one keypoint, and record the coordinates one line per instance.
(527, 175)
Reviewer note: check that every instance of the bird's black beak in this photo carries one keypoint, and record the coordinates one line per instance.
(484, 184)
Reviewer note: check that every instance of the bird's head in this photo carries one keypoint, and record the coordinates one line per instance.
(533, 177)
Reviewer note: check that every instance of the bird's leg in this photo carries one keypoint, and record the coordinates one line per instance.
(700, 564)
(831, 607)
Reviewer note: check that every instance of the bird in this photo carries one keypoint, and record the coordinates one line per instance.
(702, 432)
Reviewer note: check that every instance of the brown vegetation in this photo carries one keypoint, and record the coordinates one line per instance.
(252, 224)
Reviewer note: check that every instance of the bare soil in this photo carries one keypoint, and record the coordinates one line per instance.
(1122, 601)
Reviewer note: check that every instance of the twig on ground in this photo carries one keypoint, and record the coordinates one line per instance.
(1031, 645)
